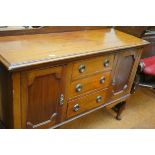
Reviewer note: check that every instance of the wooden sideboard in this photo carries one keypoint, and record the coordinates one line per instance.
(47, 80)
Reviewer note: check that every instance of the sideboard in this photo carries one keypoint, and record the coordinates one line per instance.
(47, 80)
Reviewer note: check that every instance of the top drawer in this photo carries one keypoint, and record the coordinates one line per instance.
(92, 65)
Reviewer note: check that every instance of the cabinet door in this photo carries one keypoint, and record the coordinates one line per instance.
(124, 72)
(43, 97)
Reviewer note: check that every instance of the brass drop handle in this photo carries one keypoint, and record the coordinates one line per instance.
(102, 80)
(106, 63)
(98, 99)
(82, 68)
(78, 87)
(61, 100)
(76, 107)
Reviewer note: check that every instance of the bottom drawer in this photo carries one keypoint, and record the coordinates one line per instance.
(87, 102)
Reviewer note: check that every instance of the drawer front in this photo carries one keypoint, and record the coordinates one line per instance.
(92, 65)
(84, 85)
(87, 102)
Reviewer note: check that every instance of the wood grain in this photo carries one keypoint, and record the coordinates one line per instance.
(92, 65)
(30, 96)
(16, 101)
(27, 50)
(40, 97)
(124, 72)
(87, 102)
(89, 83)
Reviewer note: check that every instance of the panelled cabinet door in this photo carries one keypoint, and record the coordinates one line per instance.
(43, 104)
(125, 71)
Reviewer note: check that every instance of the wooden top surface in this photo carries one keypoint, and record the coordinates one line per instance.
(25, 50)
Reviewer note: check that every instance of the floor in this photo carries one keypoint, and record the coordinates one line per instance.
(139, 114)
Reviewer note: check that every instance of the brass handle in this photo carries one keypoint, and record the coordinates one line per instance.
(76, 107)
(98, 99)
(78, 87)
(61, 100)
(82, 68)
(102, 80)
(106, 63)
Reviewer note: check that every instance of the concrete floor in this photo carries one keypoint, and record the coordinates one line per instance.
(139, 114)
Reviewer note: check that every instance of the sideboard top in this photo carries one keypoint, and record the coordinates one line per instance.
(26, 50)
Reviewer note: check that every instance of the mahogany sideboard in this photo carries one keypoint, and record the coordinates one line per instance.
(47, 80)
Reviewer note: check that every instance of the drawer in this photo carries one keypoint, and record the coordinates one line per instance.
(92, 65)
(100, 80)
(87, 102)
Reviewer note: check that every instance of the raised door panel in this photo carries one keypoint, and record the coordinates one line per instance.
(124, 68)
(124, 73)
(45, 96)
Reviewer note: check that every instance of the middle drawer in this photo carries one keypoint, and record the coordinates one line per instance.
(78, 87)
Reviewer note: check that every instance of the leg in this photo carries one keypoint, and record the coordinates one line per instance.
(119, 109)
